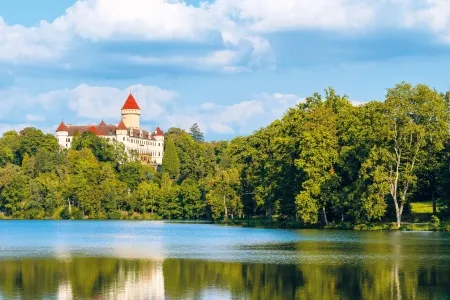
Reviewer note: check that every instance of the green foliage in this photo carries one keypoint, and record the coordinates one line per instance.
(196, 133)
(171, 163)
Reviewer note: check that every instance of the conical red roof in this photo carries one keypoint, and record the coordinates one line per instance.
(158, 132)
(130, 103)
(102, 123)
(62, 127)
(121, 126)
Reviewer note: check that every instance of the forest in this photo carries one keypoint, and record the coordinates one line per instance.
(325, 162)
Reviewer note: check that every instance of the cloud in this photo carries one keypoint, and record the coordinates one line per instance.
(85, 104)
(433, 15)
(94, 102)
(90, 22)
(229, 36)
(16, 127)
(269, 16)
(235, 119)
(34, 118)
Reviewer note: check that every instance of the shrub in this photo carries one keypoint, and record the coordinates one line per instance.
(64, 214)
(77, 214)
(435, 220)
(114, 215)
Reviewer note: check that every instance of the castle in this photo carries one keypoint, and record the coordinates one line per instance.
(149, 145)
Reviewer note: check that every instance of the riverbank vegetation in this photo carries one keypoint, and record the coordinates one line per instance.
(325, 163)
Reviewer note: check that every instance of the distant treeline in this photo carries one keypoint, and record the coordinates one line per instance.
(326, 161)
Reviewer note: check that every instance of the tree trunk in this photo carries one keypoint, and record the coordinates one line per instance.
(399, 218)
(324, 215)
(433, 195)
(225, 208)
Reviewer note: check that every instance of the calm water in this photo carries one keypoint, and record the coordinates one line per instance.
(156, 260)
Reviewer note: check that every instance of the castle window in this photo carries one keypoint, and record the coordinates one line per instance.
(124, 139)
(159, 153)
(159, 144)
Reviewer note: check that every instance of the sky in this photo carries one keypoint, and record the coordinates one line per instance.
(232, 66)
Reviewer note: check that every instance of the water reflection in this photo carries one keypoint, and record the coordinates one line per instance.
(114, 278)
(146, 260)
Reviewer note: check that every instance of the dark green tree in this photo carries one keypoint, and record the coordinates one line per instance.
(196, 133)
(171, 163)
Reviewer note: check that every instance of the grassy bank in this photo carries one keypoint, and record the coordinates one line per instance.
(264, 223)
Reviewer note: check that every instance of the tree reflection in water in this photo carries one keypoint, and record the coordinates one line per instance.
(114, 278)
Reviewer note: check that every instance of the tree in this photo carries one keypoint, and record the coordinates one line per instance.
(418, 120)
(318, 153)
(196, 133)
(171, 163)
(170, 206)
(223, 194)
(149, 195)
(31, 140)
(190, 199)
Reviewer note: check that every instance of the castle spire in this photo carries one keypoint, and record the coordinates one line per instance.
(62, 127)
(130, 103)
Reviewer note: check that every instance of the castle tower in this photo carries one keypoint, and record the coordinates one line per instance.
(131, 113)
(62, 134)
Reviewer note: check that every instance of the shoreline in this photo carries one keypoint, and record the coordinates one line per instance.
(273, 224)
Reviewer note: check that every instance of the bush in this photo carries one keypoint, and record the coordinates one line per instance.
(77, 214)
(435, 220)
(65, 214)
(114, 215)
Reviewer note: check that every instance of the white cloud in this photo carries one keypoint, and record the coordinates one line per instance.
(34, 118)
(433, 15)
(42, 42)
(269, 15)
(124, 20)
(241, 24)
(15, 127)
(89, 104)
(240, 118)
(94, 102)
(151, 20)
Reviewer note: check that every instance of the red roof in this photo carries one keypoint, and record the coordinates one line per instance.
(158, 132)
(130, 103)
(92, 129)
(62, 127)
(102, 123)
(121, 126)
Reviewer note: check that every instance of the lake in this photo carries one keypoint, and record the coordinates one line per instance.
(159, 260)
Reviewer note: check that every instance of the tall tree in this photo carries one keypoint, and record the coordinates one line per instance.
(196, 133)
(418, 121)
(171, 163)
(318, 153)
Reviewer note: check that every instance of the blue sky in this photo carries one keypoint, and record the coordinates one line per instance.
(232, 66)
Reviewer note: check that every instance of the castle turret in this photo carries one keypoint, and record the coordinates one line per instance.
(131, 113)
(158, 135)
(62, 134)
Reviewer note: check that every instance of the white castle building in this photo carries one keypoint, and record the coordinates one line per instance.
(149, 145)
